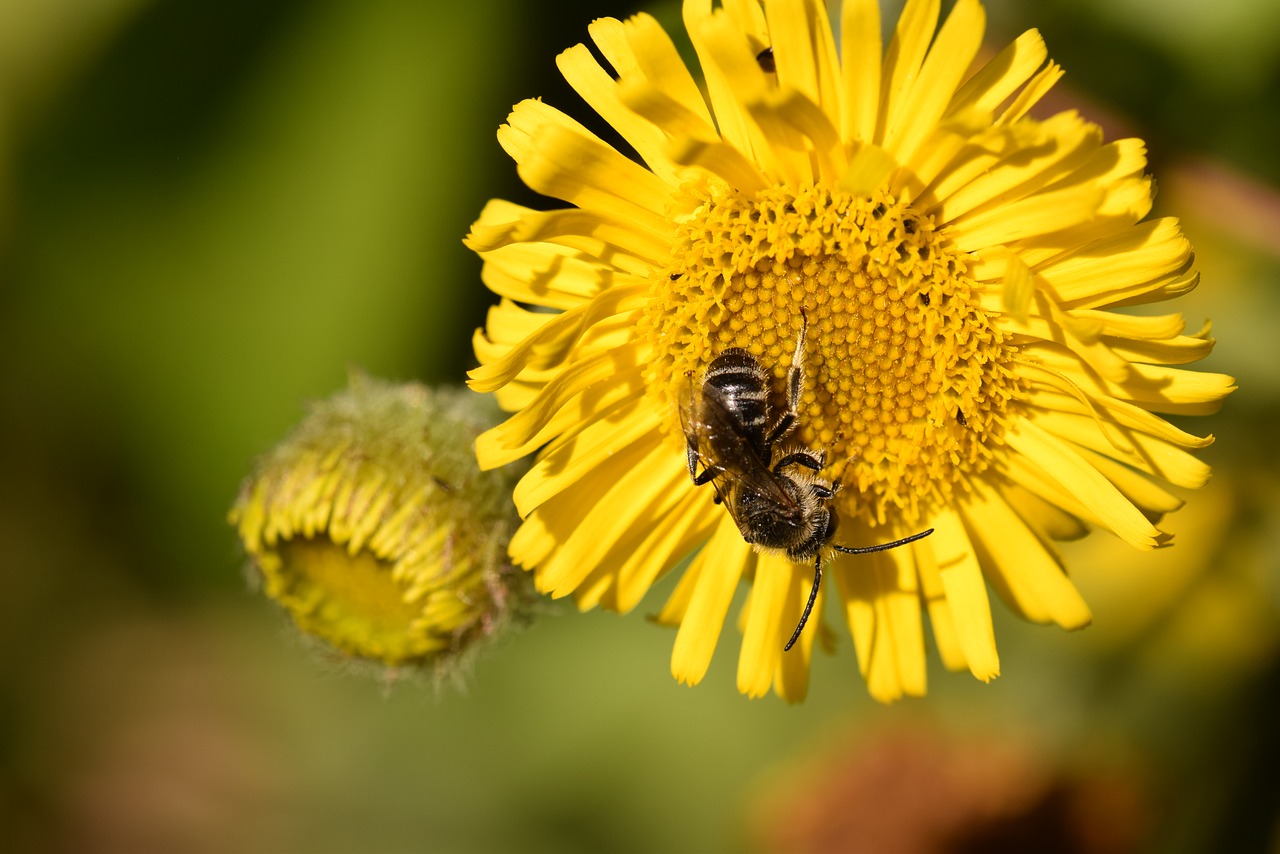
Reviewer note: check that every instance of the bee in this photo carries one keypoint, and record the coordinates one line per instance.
(773, 490)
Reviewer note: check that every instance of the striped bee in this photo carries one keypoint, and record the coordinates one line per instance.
(773, 491)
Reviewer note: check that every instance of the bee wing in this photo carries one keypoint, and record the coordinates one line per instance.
(686, 401)
(689, 424)
(713, 432)
(745, 479)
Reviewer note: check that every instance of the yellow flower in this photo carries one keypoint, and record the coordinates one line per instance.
(954, 262)
(372, 527)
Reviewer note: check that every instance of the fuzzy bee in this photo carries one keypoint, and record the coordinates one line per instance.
(773, 491)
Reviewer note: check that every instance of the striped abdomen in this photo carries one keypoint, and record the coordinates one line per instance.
(743, 389)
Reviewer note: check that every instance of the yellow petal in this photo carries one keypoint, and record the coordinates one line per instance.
(1037, 87)
(1063, 144)
(1142, 253)
(502, 223)
(966, 592)
(601, 92)
(617, 399)
(929, 95)
(1152, 454)
(860, 57)
(1017, 290)
(1002, 76)
(570, 382)
(550, 345)
(1075, 476)
(902, 62)
(1045, 518)
(621, 509)
(1038, 214)
(527, 119)
(804, 53)
(792, 682)
(720, 159)
(792, 116)
(706, 31)
(640, 47)
(1155, 387)
(686, 526)
(880, 593)
(585, 453)
(765, 632)
(546, 274)
(1029, 575)
(1028, 478)
(1146, 495)
(940, 615)
(776, 146)
(584, 171)
(718, 568)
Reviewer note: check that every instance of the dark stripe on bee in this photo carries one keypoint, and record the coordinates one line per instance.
(738, 379)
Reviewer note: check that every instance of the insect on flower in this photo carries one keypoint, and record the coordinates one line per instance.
(960, 257)
(776, 495)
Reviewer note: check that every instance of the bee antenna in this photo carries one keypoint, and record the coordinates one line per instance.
(808, 608)
(883, 546)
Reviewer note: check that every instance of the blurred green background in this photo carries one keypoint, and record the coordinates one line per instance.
(210, 211)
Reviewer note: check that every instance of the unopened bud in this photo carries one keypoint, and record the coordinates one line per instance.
(375, 529)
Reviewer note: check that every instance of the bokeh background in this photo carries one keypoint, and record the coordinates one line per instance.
(209, 211)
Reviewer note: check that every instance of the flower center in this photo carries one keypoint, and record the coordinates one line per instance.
(906, 377)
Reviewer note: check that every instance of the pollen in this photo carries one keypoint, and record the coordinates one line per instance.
(906, 378)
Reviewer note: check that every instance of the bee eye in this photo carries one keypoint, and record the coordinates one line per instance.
(765, 59)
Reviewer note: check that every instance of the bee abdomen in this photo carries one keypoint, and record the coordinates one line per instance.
(740, 381)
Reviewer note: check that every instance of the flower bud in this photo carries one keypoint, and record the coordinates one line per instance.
(374, 528)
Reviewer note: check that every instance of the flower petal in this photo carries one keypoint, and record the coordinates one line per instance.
(581, 375)
(880, 592)
(687, 525)
(715, 573)
(1021, 567)
(550, 345)
(1002, 76)
(585, 453)
(641, 48)
(860, 53)
(902, 62)
(581, 170)
(1041, 213)
(502, 223)
(765, 632)
(966, 593)
(600, 91)
(804, 52)
(624, 506)
(1081, 480)
(929, 95)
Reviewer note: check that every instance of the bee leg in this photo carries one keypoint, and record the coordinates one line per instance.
(808, 459)
(708, 472)
(883, 546)
(780, 429)
(707, 476)
(795, 373)
(808, 608)
(795, 386)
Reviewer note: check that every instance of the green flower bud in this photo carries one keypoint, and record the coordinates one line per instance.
(376, 531)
